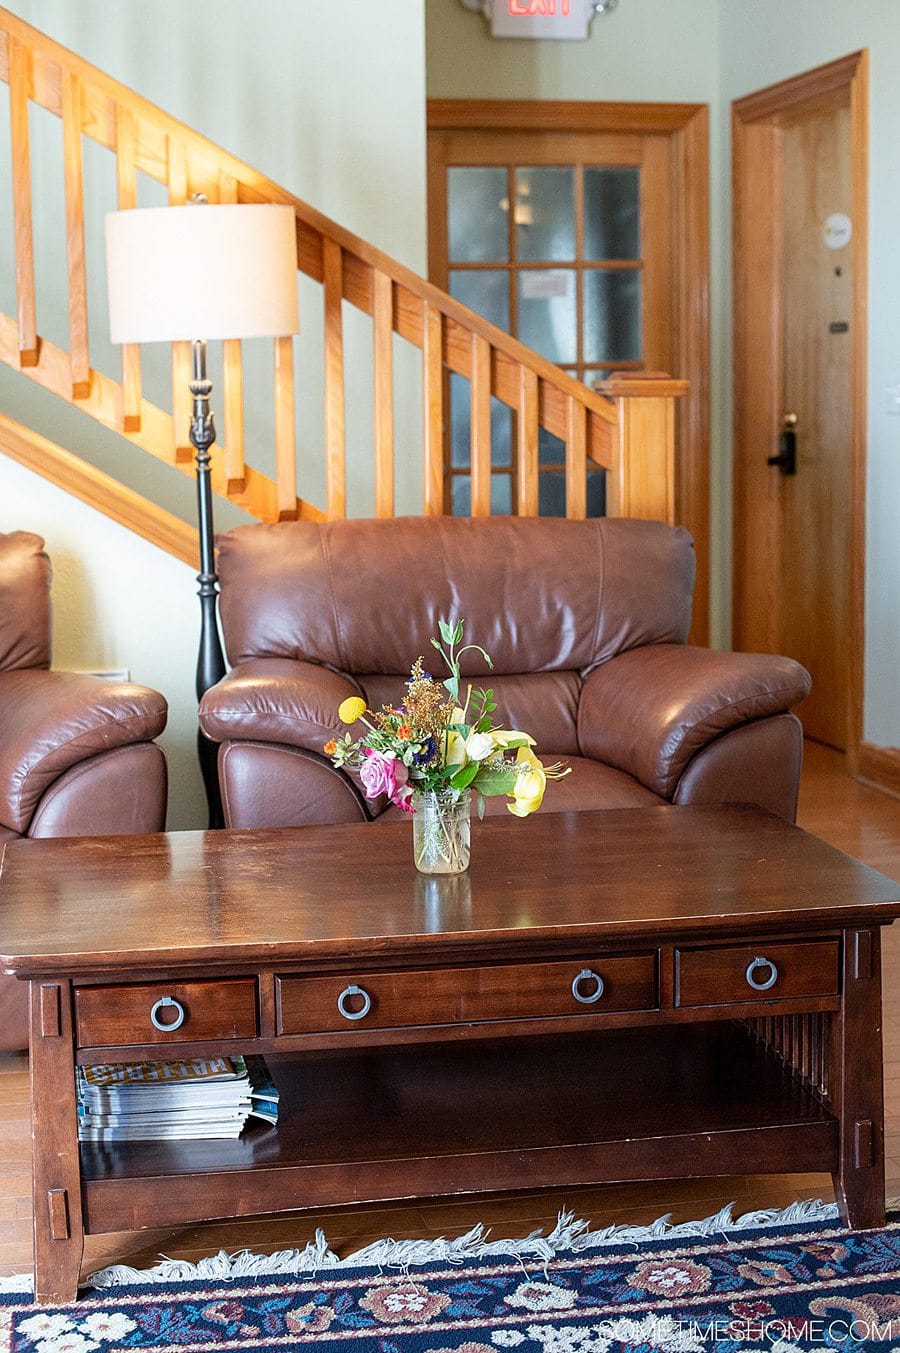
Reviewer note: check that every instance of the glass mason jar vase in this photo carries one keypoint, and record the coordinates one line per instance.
(441, 831)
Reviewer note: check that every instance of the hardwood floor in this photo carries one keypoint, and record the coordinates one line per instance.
(851, 816)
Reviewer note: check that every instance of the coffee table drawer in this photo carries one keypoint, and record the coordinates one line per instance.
(389, 1000)
(756, 972)
(165, 1012)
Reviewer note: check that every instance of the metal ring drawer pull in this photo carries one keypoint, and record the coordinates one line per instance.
(587, 975)
(167, 1003)
(752, 969)
(345, 995)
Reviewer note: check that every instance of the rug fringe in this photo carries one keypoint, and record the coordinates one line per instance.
(569, 1234)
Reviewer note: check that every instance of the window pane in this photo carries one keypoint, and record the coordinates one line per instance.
(461, 496)
(592, 378)
(501, 495)
(461, 426)
(460, 421)
(551, 450)
(545, 214)
(485, 292)
(596, 493)
(547, 315)
(612, 316)
(552, 494)
(612, 223)
(477, 209)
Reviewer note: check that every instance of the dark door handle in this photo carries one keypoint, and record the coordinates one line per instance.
(786, 460)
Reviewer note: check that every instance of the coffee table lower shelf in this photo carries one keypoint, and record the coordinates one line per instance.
(459, 1118)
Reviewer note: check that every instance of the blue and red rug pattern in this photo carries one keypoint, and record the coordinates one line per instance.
(788, 1288)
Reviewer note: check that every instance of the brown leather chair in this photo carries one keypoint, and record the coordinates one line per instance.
(586, 623)
(76, 752)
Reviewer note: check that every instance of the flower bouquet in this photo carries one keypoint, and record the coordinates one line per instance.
(430, 755)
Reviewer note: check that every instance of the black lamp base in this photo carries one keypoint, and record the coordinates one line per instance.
(210, 658)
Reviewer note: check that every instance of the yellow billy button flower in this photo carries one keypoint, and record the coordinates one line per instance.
(351, 709)
(528, 791)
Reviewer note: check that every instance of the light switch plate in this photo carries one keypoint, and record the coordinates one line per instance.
(892, 398)
(108, 673)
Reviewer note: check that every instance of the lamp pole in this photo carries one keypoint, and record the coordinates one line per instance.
(210, 659)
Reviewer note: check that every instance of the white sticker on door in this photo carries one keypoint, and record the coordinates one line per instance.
(837, 230)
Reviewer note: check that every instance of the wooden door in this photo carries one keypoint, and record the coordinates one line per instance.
(561, 240)
(799, 354)
(582, 230)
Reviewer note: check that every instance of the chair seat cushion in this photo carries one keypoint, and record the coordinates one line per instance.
(54, 720)
(591, 786)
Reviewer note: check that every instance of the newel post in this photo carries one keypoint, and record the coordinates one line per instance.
(642, 480)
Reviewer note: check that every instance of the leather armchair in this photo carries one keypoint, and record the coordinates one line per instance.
(76, 752)
(587, 625)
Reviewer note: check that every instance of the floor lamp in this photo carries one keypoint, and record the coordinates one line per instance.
(194, 273)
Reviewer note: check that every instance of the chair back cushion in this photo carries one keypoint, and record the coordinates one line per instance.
(24, 602)
(539, 594)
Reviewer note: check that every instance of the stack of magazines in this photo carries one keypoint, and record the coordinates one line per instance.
(202, 1097)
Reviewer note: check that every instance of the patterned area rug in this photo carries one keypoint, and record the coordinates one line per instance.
(725, 1288)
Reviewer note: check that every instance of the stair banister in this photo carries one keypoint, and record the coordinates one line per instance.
(608, 429)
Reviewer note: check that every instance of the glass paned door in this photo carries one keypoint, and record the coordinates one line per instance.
(561, 241)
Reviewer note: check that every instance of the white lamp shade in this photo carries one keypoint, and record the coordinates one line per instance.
(201, 271)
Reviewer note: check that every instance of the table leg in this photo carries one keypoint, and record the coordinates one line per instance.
(858, 1083)
(56, 1171)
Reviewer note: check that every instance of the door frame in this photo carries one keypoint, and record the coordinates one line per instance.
(686, 127)
(757, 327)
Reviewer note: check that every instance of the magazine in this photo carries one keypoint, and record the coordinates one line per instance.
(180, 1099)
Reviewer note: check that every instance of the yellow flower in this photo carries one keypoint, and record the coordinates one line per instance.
(351, 709)
(528, 790)
(503, 736)
(454, 749)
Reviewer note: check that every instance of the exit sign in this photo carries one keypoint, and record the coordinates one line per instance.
(540, 18)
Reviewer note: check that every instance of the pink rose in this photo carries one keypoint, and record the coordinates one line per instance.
(382, 773)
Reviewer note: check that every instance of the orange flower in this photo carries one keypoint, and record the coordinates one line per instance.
(404, 731)
(330, 747)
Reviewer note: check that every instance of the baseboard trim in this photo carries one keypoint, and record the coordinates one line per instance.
(879, 767)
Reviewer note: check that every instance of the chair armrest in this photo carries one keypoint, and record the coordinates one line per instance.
(51, 721)
(649, 711)
(277, 700)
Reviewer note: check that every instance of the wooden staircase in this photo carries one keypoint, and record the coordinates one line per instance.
(628, 430)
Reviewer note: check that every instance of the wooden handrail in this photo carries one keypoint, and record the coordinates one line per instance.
(98, 490)
(451, 337)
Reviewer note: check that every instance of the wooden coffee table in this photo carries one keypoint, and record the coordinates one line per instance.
(605, 996)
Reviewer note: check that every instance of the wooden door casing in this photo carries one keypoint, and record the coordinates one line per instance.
(670, 141)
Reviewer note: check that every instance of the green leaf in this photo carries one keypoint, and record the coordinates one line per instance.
(518, 740)
(492, 782)
(463, 778)
(458, 632)
(446, 634)
(479, 799)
